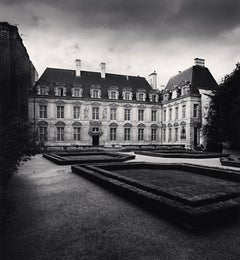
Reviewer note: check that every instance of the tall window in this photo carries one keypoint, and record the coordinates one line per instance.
(60, 111)
(76, 133)
(140, 115)
(126, 114)
(42, 133)
(164, 134)
(77, 92)
(140, 134)
(154, 115)
(170, 114)
(183, 111)
(176, 134)
(113, 134)
(164, 115)
(195, 110)
(95, 113)
(127, 134)
(113, 114)
(170, 134)
(43, 111)
(60, 133)
(176, 113)
(183, 133)
(76, 112)
(154, 134)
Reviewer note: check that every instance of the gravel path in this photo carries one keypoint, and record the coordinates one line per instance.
(55, 214)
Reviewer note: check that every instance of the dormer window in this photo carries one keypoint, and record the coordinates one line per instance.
(113, 94)
(127, 94)
(141, 95)
(77, 92)
(42, 90)
(95, 92)
(60, 91)
(153, 98)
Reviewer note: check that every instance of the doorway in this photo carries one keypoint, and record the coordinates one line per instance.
(195, 140)
(95, 140)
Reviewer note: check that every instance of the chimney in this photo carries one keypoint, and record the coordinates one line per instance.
(199, 62)
(78, 67)
(153, 79)
(103, 69)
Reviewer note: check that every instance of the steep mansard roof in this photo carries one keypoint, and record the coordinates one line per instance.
(89, 78)
(198, 76)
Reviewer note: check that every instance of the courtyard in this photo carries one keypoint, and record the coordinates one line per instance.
(54, 214)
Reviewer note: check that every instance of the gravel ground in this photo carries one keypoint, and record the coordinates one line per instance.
(55, 214)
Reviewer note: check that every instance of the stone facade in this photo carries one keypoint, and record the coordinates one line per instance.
(17, 74)
(80, 108)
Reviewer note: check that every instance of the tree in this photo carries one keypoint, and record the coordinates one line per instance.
(16, 143)
(224, 113)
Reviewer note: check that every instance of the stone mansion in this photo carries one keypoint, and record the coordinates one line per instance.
(84, 108)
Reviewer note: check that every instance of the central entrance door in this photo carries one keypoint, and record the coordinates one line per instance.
(95, 140)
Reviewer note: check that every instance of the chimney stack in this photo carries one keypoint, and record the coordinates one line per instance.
(199, 62)
(103, 69)
(78, 67)
(153, 79)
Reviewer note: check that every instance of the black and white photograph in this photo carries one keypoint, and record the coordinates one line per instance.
(120, 129)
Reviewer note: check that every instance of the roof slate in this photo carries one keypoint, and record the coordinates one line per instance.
(89, 78)
(198, 76)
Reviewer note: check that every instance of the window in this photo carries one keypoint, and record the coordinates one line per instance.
(127, 134)
(95, 130)
(183, 133)
(154, 115)
(113, 134)
(76, 112)
(42, 133)
(170, 114)
(140, 115)
(127, 95)
(154, 98)
(183, 111)
(176, 134)
(195, 110)
(60, 91)
(76, 133)
(140, 134)
(154, 134)
(60, 111)
(164, 134)
(164, 115)
(127, 114)
(95, 113)
(140, 96)
(44, 90)
(113, 114)
(170, 134)
(176, 113)
(60, 133)
(43, 111)
(95, 93)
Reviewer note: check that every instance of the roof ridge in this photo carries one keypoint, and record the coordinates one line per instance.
(88, 71)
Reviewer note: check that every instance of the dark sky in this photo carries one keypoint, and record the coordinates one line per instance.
(133, 37)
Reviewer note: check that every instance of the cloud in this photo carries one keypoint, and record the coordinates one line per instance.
(132, 36)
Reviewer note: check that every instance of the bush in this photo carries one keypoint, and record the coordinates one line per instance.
(16, 143)
(224, 113)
